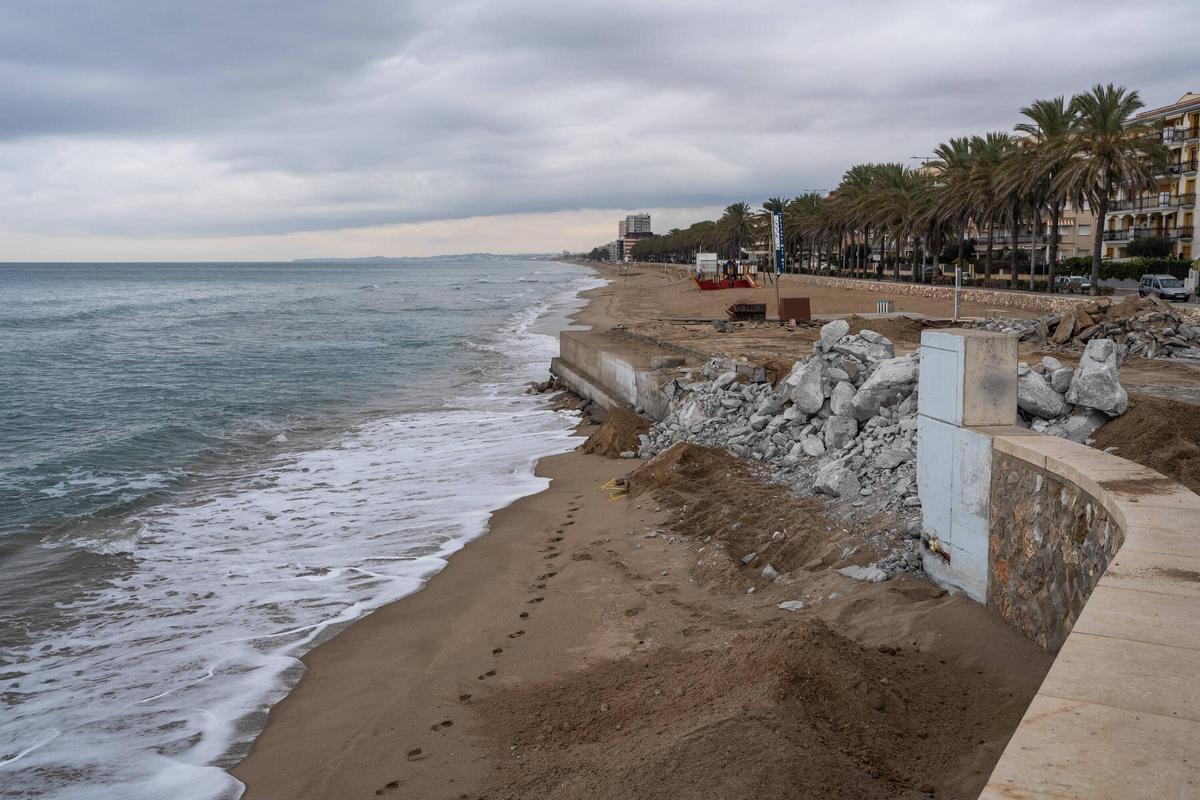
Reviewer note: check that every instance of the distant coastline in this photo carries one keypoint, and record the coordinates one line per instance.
(386, 260)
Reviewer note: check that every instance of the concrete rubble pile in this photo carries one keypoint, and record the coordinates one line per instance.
(1072, 402)
(1146, 327)
(844, 422)
(841, 423)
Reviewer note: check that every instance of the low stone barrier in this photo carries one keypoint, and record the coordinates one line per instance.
(1028, 301)
(1088, 554)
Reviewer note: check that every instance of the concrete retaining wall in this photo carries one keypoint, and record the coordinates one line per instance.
(1086, 553)
(596, 367)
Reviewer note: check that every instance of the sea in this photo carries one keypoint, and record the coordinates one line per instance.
(208, 469)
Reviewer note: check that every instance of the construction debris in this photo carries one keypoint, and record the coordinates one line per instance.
(844, 421)
(1146, 327)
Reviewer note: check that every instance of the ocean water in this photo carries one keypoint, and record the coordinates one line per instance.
(208, 469)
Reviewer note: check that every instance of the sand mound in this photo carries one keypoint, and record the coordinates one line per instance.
(797, 712)
(716, 496)
(619, 433)
(1158, 433)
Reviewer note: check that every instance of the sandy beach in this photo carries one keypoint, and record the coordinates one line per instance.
(602, 646)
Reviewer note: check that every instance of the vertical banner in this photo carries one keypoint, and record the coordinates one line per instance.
(777, 229)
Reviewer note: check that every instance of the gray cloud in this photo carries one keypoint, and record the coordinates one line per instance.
(176, 119)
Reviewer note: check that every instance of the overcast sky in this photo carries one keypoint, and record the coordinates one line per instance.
(279, 129)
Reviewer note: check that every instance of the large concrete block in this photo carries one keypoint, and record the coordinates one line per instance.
(954, 475)
(968, 377)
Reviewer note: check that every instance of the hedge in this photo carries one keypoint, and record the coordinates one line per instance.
(1130, 270)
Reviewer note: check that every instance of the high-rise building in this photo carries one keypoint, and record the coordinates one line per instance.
(637, 223)
(621, 229)
(1168, 213)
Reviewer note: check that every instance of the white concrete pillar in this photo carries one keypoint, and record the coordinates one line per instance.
(968, 379)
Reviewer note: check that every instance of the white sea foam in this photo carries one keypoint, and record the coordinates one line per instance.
(164, 676)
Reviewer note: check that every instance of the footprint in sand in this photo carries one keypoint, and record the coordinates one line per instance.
(551, 555)
(415, 754)
(391, 787)
(515, 634)
(462, 698)
(437, 726)
(524, 615)
(537, 599)
(497, 651)
(489, 674)
(556, 538)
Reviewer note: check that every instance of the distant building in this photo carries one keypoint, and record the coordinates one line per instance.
(629, 230)
(637, 224)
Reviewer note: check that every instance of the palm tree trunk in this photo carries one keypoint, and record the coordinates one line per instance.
(987, 257)
(896, 266)
(1012, 253)
(1052, 261)
(962, 240)
(1101, 213)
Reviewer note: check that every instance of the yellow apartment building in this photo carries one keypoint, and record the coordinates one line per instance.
(1171, 211)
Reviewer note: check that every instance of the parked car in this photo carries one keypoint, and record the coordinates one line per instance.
(1165, 287)
(1073, 284)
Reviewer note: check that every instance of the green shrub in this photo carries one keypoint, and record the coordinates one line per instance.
(1131, 270)
(1151, 248)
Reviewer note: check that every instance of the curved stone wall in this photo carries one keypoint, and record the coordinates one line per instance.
(1118, 715)
(1049, 542)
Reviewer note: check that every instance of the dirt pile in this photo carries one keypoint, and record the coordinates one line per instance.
(898, 329)
(715, 498)
(618, 434)
(1158, 433)
(795, 712)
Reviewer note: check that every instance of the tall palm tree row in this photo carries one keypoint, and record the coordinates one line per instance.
(1063, 154)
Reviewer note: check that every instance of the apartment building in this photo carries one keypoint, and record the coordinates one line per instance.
(637, 224)
(1170, 212)
(629, 230)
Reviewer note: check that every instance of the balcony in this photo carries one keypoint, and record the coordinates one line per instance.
(1156, 202)
(1183, 167)
(1148, 233)
(1023, 240)
(1176, 136)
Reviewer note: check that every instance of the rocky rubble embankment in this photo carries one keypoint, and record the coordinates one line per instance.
(844, 422)
(1146, 327)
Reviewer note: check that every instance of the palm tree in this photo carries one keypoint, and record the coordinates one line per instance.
(737, 226)
(954, 165)
(1107, 153)
(991, 156)
(1049, 131)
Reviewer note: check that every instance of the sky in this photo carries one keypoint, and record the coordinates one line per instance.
(280, 129)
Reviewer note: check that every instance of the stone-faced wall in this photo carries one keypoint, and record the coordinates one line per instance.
(1029, 301)
(1050, 543)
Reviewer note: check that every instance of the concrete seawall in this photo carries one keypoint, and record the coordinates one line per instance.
(614, 369)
